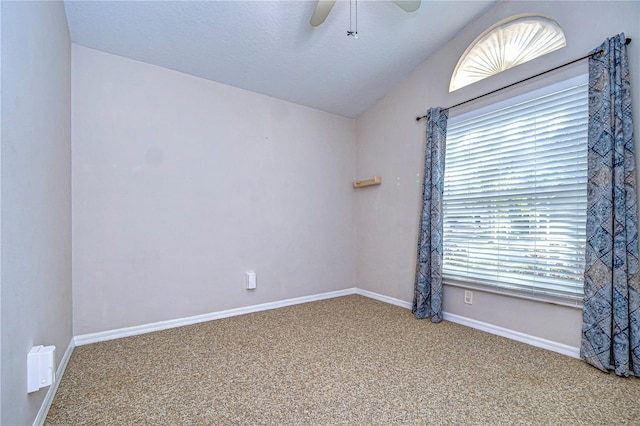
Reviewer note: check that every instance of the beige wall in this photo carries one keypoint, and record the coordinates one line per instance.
(390, 143)
(35, 196)
(180, 185)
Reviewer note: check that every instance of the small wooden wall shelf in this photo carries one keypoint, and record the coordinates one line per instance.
(368, 182)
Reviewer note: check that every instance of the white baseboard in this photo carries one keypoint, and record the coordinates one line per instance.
(383, 298)
(51, 392)
(489, 328)
(514, 335)
(86, 339)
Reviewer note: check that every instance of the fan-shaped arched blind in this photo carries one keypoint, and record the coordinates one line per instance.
(506, 45)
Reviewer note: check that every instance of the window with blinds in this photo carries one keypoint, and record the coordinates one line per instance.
(515, 196)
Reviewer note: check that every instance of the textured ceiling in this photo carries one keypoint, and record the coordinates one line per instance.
(269, 47)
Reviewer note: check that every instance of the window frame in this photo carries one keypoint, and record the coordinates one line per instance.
(577, 75)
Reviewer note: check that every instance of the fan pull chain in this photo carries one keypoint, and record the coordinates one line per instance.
(351, 33)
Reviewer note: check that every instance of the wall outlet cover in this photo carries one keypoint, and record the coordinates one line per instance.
(250, 280)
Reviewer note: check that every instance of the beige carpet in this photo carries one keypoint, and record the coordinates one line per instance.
(349, 360)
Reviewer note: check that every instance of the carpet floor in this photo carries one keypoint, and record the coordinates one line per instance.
(349, 360)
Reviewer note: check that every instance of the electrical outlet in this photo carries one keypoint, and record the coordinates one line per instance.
(250, 280)
(468, 297)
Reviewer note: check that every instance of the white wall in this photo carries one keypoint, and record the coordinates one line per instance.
(35, 196)
(390, 143)
(180, 185)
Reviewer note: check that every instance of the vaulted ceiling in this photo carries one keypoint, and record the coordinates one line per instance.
(269, 47)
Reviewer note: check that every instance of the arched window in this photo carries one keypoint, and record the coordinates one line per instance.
(511, 42)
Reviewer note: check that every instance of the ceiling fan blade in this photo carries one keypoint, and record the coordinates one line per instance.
(408, 5)
(322, 11)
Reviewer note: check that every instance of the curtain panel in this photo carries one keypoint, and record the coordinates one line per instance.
(427, 299)
(611, 311)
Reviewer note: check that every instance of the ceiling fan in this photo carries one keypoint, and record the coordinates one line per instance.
(324, 7)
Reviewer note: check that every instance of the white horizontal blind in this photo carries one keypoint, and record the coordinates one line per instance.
(515, 196)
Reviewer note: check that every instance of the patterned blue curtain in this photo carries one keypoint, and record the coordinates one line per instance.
(427, 299)
(611, 312)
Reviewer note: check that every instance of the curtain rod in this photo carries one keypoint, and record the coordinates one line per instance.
(627, 41)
